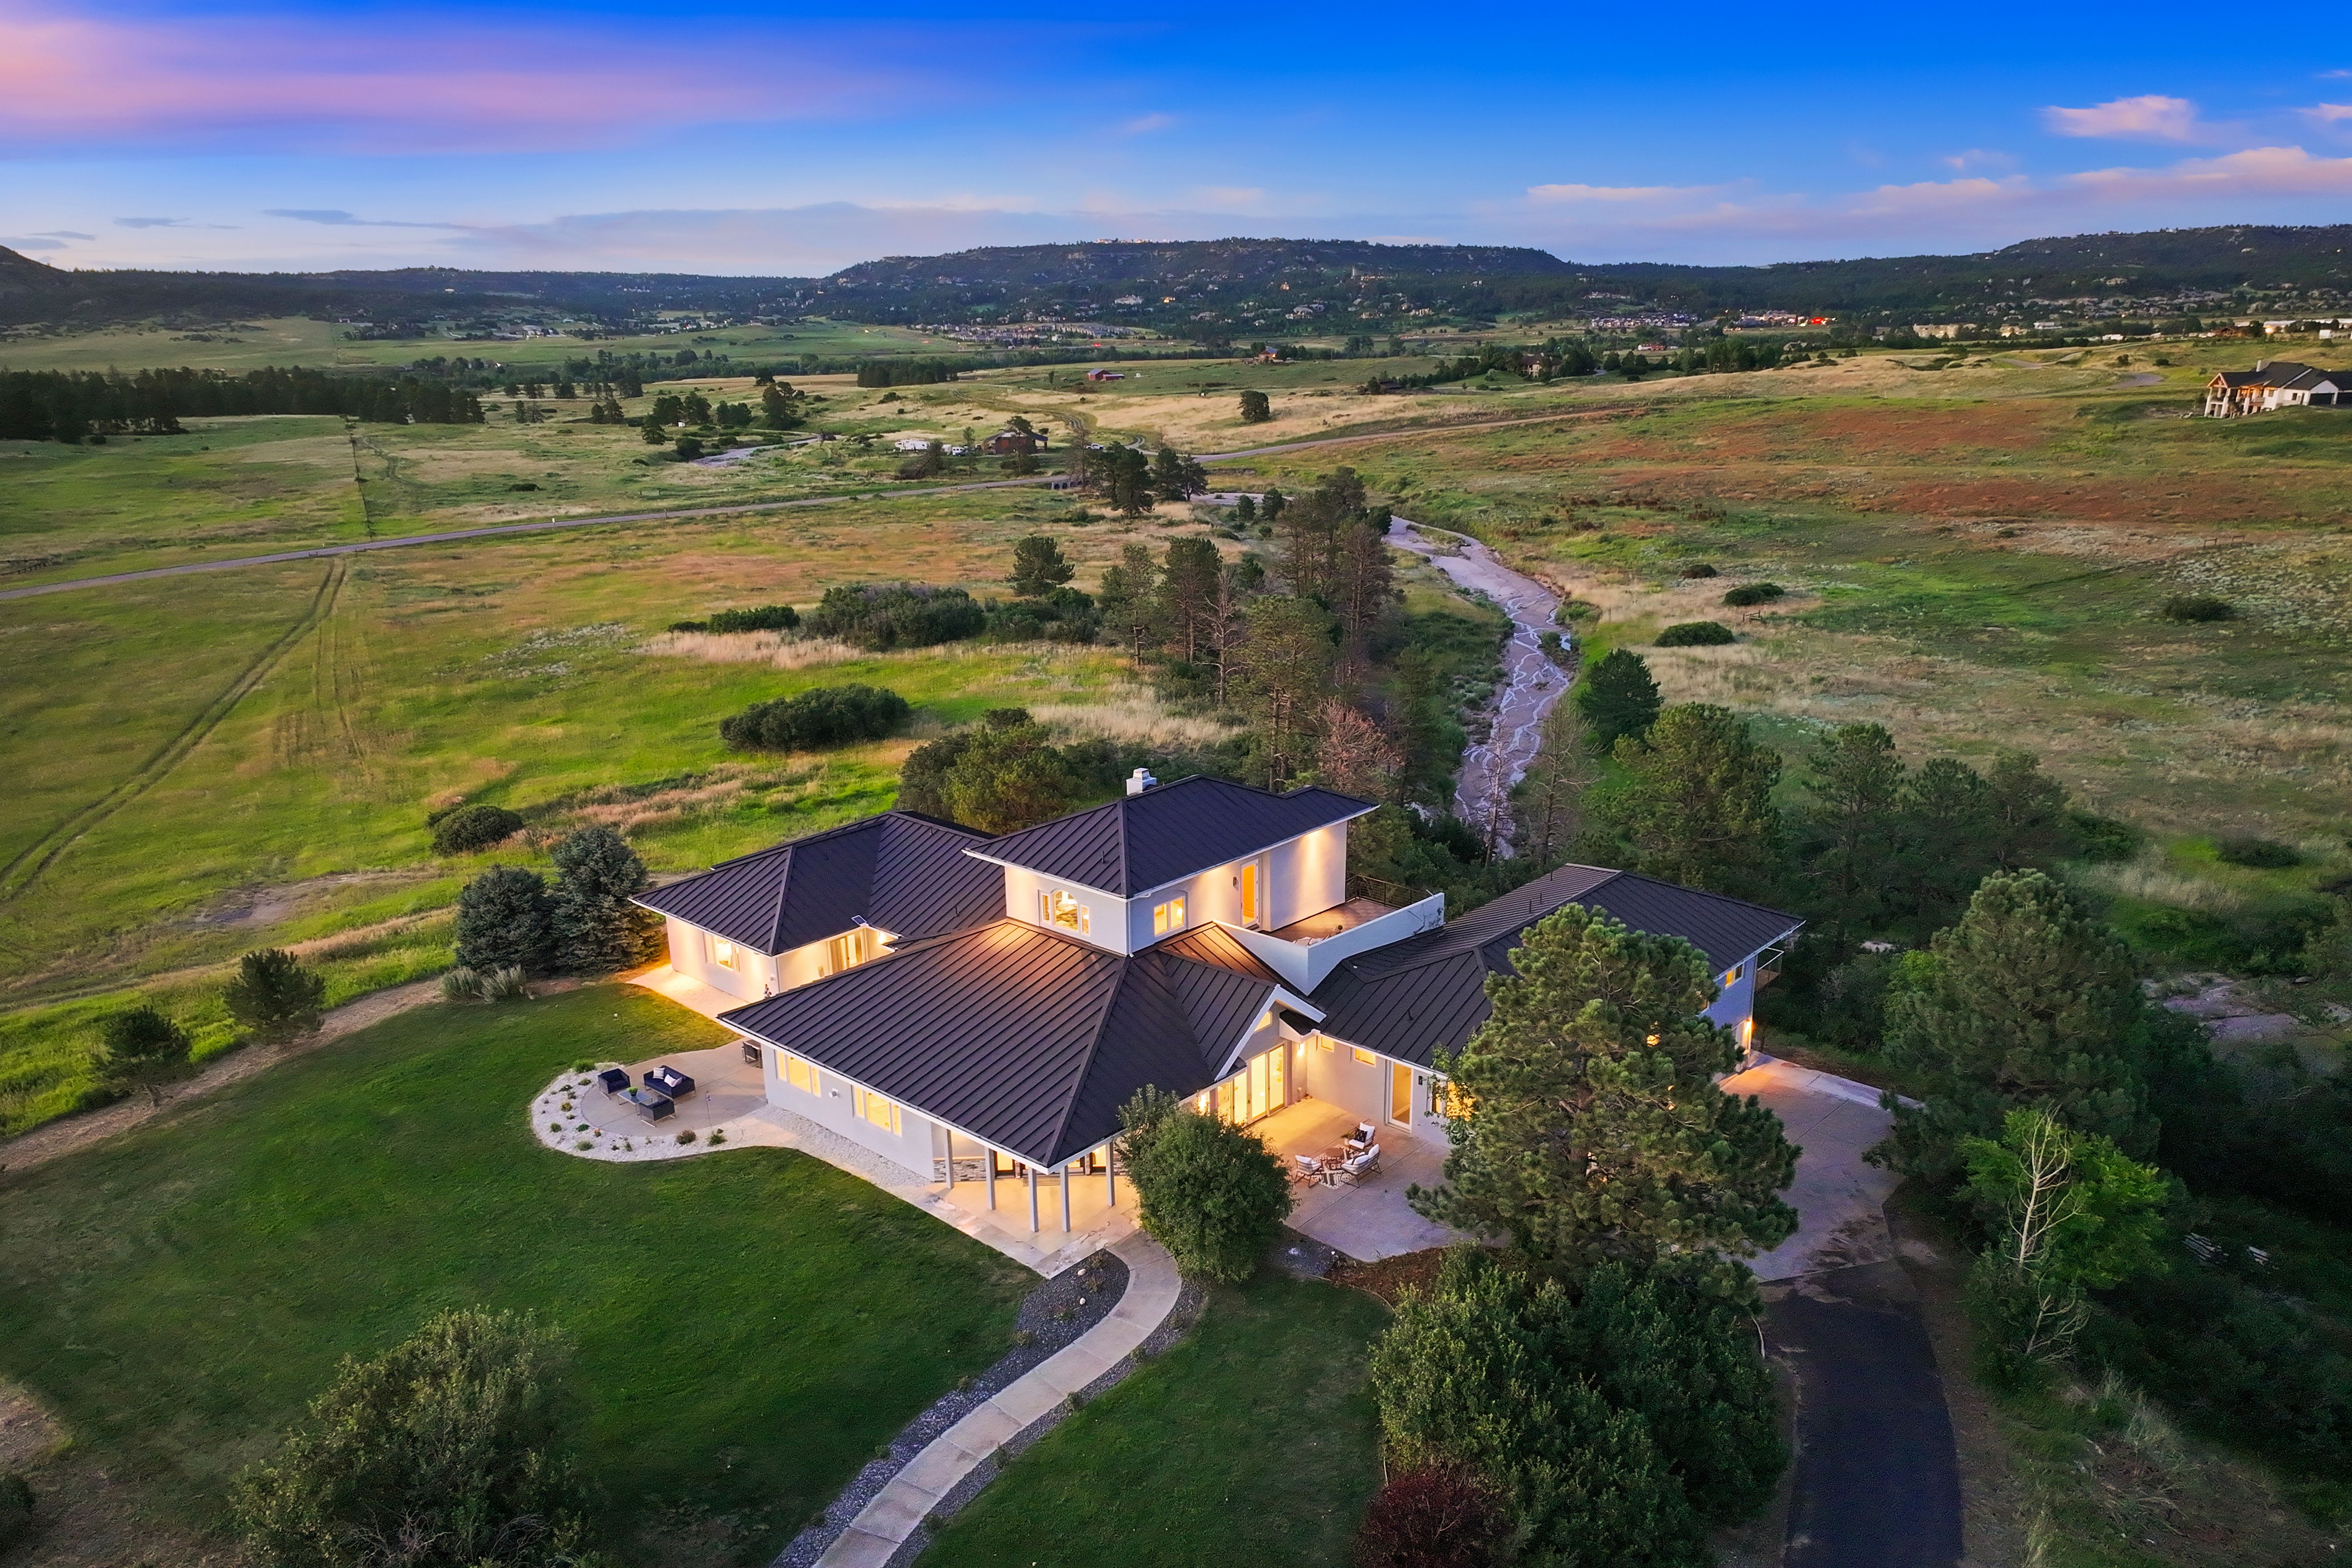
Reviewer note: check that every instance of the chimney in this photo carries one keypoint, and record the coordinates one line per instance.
(1139, 781)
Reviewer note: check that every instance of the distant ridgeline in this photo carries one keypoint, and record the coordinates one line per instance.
(66, 405)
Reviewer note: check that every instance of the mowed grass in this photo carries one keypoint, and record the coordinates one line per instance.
(751, 1324)
(1253, 1442)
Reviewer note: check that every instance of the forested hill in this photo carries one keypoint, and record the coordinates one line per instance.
(1262, 288)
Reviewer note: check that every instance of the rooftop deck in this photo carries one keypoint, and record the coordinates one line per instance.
(1332, 921)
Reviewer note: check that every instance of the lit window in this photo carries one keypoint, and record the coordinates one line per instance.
(800, 1075)
(1059, 909)
(1323, 1043)
(1364, 1056)
(848, 951)
(882, 1112)
(722, 953)
(1731, 975)
(1168, 917)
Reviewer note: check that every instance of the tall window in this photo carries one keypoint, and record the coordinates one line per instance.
(800, 1075)
(1059, 909)
(1168, 917)
(722, 953)
(882, 1112)
(847, 950)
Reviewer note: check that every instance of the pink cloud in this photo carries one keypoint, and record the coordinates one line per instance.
(2150, 116)
(404, 87)
(2257, 171)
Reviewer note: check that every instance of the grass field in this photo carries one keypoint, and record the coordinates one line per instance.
(1253, 1442)
(750, 1325)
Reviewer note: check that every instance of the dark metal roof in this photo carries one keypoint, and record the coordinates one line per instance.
(1018, 1035)
(1138, 842)
(1430, 991)
(902, 871)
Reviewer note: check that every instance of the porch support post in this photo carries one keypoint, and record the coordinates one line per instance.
(1034, 1226)
(951, 1160)
(987, 1155)
(1066, 1197)
(1111, 1178)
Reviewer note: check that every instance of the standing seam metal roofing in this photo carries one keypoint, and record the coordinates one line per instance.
(1171, 831)
(1429, 992)
(1017, 1036)
(902, 871)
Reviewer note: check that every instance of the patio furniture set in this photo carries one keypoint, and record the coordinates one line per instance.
(655, 1098)
(1348, 1163)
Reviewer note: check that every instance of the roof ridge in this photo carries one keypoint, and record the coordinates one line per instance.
(776, 914)
(1126, 969)
(1709, 893)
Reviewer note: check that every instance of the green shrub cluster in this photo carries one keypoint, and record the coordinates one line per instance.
(2264, 854)
(761, 618)
(1695, 634)
(1753, 593)
(1209, 1191)
(822, 716)
(2197, 607)
(878, 616)
(1620, 1421)
(466, 829)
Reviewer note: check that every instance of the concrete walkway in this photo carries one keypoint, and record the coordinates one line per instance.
(1840, 1199)
(882, 1526)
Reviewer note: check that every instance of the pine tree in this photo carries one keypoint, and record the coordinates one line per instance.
(2027, 811)
(505, 919)
(2027, 1002)
(1549, 802)
(1946, 832)
(1695, 802)
(1593, 1132)
(1281, 670)
(1039, 567)
(1854, 830)
(1128, 596)
(1364, 589)
(1617, 696)
(273, 997)
(596, 929)
(1188, 596)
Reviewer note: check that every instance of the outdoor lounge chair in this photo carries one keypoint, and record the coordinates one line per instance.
(1359, 1166)
(613, 1080)
(654, 1107)
(667, 1080)
(1306, 1169)
(1362, 1136)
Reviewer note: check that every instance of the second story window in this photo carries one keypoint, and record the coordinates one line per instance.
(1168, 917)
(1058, 907)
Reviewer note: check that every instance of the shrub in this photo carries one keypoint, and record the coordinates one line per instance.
(686, 1136)
(764, 619)
(2100, 837)
(1437, 1516)
(470, 828)
(273, 997)
(597, 929)
(1699, 569)
(1210, 1193)
(452, 1445)
(879, 616)
(2265, 854)
(461, 985)
(1695, 634)
(824, 716)
(505, 919)
(140, 1040)
(1256, 409)
(1618, 697)
(505, 985)
(16, 1510)
(2198, 607)
(1753, 593)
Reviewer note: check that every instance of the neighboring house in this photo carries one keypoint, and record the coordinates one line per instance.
(2273, 384)
(1005, 443)
(941, 996)
(1105, 375)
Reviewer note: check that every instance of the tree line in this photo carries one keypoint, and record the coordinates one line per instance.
(72, 405)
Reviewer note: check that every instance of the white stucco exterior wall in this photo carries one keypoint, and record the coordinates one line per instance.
(753, 976)
(833, 1108)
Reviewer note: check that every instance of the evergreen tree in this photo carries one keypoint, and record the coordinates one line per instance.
(1039, 567)
(1364, 584)
(1594, 1132)
(505, 919)
(1188, 596)
(1947, 831)
(1007, 777)
(1255, 409)
(1617, 696)
(1126, 477)
(1128, 596)
(273, 997)
(1695, 802)
(1853, 832)
(2027, 1002)
(596, 929)
(1549, 800)
(1175, 476)
(2027, 811)
(1281, 672)
(142, 1043)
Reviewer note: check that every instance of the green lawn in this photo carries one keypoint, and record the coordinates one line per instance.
(752, 1325)
(1250, 1442)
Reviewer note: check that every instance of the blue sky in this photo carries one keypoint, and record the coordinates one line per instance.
(793, 138)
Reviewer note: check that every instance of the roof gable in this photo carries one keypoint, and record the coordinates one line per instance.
(901, 870)
(1168, 832)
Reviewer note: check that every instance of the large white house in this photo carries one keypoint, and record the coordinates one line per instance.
(945, 998)
(2273, 384)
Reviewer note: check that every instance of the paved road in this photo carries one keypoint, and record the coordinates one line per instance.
(405, 541)
(1877, 1482)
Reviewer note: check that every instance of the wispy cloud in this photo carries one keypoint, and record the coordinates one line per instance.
(63, 234)
(1145, 124)
(336, 218)
(2255, 171)
(149, 222)
(1579, 192)
(31, 242)
(1977, 158)
(2152, 117)
(2329, 113)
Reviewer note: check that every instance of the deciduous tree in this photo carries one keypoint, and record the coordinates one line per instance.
(1212, 1194)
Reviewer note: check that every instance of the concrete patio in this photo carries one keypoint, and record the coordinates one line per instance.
(1838, 1196)
(1367, 1222)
